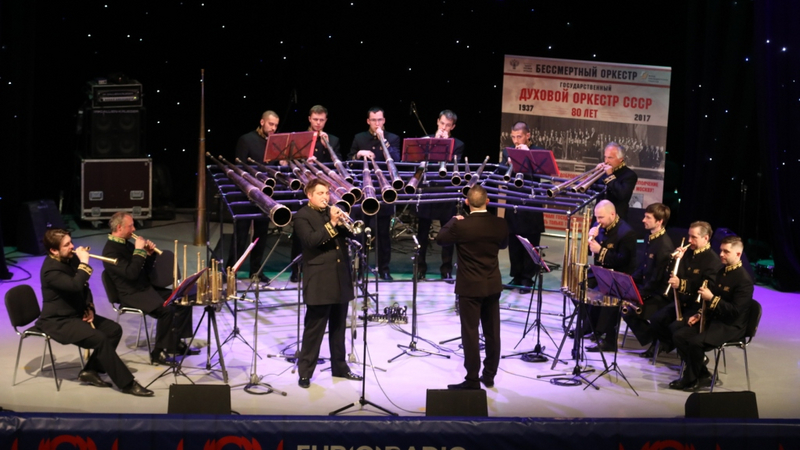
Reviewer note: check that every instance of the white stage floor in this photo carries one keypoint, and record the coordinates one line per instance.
(774, 355)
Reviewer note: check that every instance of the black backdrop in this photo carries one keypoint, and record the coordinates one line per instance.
(732, 95)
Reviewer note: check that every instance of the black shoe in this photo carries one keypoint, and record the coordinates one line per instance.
(422, 269)
(513, 283)
(465, 385)
(304, 382)
(350, 376)
(137, 389)
(705, 383)
(294, 278)
(91, 377)
(602, 346)
(488, 382)
(681, 384)
(651, 351)
(385, 276)
(571, 333)
(262, 278)
(447, 277)
(182, 350)
(160, 358)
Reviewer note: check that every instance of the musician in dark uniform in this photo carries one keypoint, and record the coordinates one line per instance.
(443, 212)
(652, 273)
(327, 282)
(528, 224)
(727, 308)
(317, 118)
(620, 180)
(68, 314)
(253, 145)
(697, 264)
(368, 144)
(479, 237)
(131, 278)
(613, 245)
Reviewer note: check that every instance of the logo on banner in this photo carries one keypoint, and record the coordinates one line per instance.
(514, 63)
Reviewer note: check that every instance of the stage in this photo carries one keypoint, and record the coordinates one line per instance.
(522, 389)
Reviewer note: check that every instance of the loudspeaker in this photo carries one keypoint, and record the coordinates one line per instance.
(34, 219)
(456, 402)
(199, 399)
(116, 133)
(722, 405)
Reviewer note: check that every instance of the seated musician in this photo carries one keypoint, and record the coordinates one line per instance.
(613, 245)
(652, 273)
(697, 264)
(130, 277)
(368, 144)
(725, 312)
(443, 212)
(68, 314)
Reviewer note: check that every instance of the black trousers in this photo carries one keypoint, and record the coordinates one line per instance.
(173, 324)
(104, 359)
(423, 231)
(317, 317)
(664, 322)
(691, 348)
(486, 312)
(640, 324)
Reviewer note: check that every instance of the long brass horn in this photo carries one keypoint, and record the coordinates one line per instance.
(370, 205)
(388, 193)
(413, 182)
(279, 214)
(576, 179)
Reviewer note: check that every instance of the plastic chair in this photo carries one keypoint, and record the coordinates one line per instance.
(23, 309)
(750, 333)
(113, 298)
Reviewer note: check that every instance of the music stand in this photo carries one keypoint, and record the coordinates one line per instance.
(183, 291)
(235, 333)
(541, 162)
(427, 149)
(621, 286)
(537, 354)
(288, 146)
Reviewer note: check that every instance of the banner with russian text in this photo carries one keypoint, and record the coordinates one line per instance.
(574, 108)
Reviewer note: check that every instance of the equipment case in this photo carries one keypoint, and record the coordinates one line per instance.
(112, 185)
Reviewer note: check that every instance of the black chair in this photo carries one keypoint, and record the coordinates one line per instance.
(113, 298)
(23, 309)
(750, 332)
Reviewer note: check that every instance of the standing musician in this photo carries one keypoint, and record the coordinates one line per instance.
(327, 286)
(428, 212)
(620, 180)
(368, 144)
(479, 237)
(727, 304)
(68, 314)
(653, 272)
(697, 264)
(253, 145)
(131, 278)
(317, 118)
(528, 224)
(612, 242)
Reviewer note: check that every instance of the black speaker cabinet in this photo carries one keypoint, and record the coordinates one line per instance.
(115, 133)
(34, 219)
(459, 403)
(199, 399)
(722, 405)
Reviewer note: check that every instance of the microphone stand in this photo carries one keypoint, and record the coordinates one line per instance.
(362, 401)
(360, 257)
(412, 347)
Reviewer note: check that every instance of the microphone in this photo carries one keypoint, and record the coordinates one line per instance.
(354, 243)
(416, 242)
(541, 247)
(411, 108)
(294, 96)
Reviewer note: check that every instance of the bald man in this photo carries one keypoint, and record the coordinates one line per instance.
(613, 245)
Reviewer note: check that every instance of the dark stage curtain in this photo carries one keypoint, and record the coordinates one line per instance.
(778, 81)
(741, 103)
